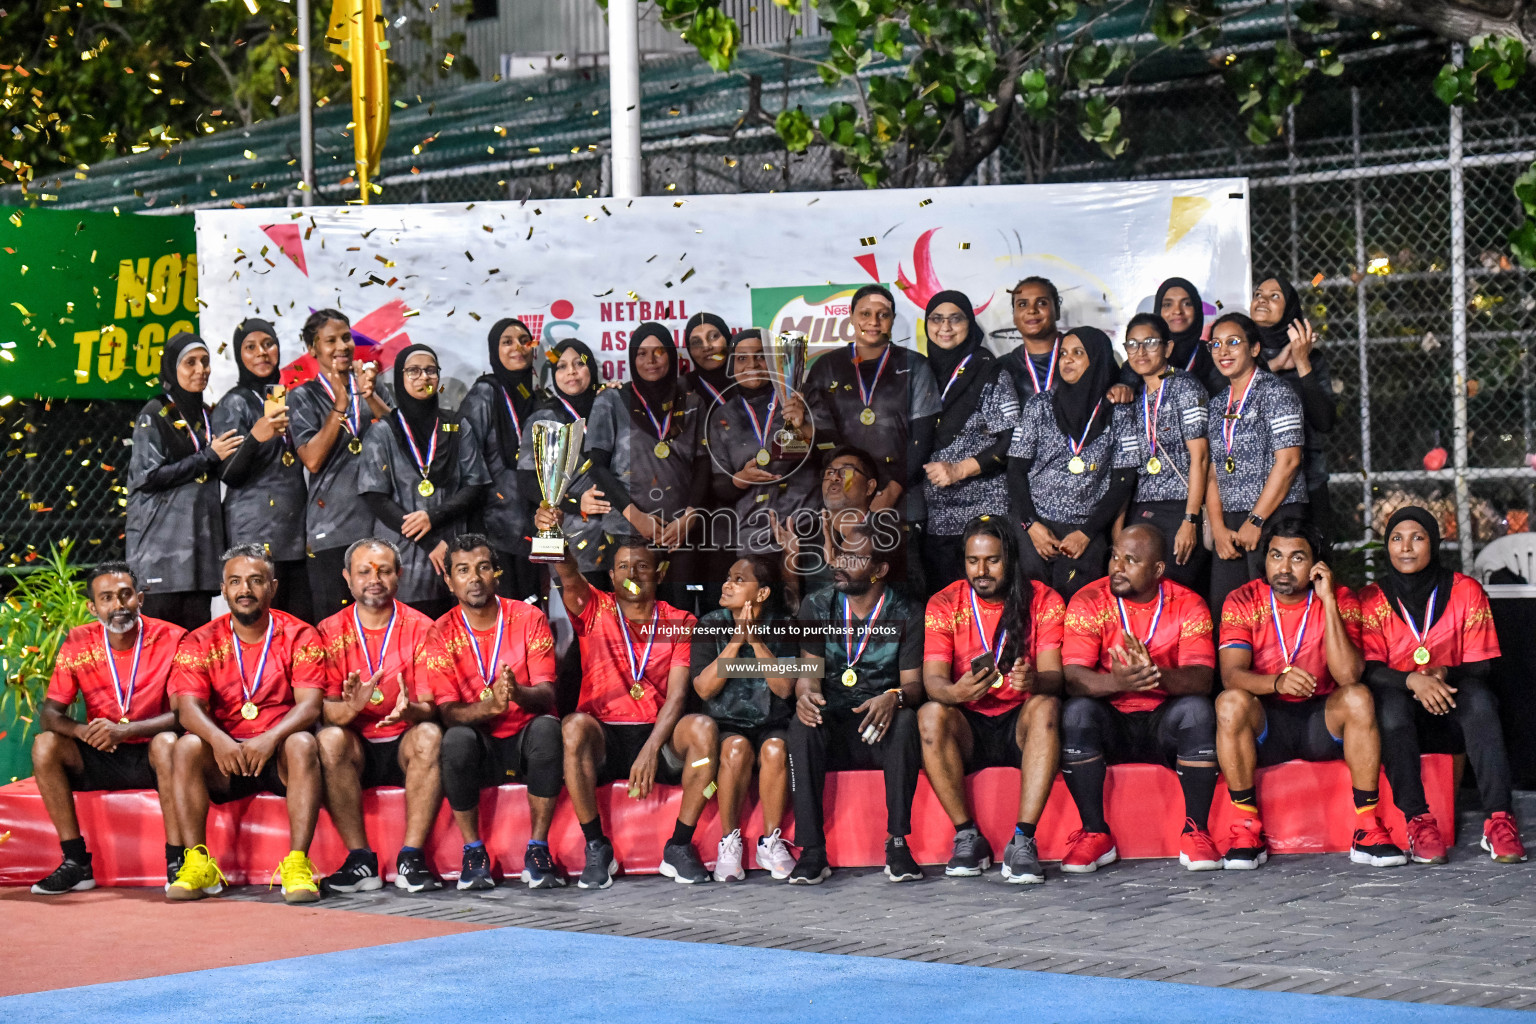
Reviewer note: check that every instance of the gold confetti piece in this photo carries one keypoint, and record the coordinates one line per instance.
(867, 241)
(630, 586)
(679, 202)
(22, 308)
(476, 316)
(965, 245)
(1317, 280)
(925, 202)
(709, 791)
(250, 155)
(687, 275)
(700, 763)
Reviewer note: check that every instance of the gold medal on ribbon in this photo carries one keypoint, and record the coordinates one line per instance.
(248, 711)
(376, 697)
(287, 459)
(485, 693)
(763, 457)
(123, 720)
(1076, 465)
(355, 446)
(662, 449)
(850, 677)
(202, 478)
(1231, 464)
(1421, 655)
(425, 488)
(1154, 465)
(636, 691)
(867, 417)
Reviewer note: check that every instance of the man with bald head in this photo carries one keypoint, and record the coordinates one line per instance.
(1139, 663)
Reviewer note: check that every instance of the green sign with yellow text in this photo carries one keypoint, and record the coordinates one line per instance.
(87, 301)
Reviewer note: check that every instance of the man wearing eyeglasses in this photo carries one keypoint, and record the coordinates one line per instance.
(421, 475)
(849, 481)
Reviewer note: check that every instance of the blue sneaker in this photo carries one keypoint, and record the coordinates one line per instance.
(476, 872)
(539, 869)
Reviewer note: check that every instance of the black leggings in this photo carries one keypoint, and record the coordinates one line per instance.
(328, 593)
(1065, 575)
(835, 745)
(188, 609)
(472, 760)
(1167, 517)
(943, 561)
(1404, 724)
(1095, 733)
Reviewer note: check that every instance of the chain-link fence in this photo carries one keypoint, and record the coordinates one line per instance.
(1388, 210)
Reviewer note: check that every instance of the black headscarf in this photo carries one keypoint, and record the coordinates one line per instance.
(420, 414)
(758, 397)
(518, 384)
(1413, 589)
(1186, 342)
(582, 403)
(1273, 339)
(189, 404)
(719, 378)
(657, 393)
(255, 325)
(962, 398)
(1075, 403)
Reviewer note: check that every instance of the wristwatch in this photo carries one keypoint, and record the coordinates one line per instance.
(901, 700)
(1192, 517)
(1256, 520)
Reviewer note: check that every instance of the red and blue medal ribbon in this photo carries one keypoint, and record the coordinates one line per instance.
(249, 689)
(868, 396)
(123, 701)
(1050, 371)
(362, 639)
(487, 665)
(638, 665)
(1289, 652)
(423, 465)
(866, 632)
(1157, 615)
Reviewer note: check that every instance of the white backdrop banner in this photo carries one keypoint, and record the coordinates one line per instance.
(595, 269)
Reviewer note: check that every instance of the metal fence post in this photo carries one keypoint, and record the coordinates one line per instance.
(1465, 541)
(1362, 336)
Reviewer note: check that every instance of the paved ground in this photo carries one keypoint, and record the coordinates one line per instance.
(1461, 934)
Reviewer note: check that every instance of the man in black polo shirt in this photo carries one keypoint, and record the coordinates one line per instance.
(859, 714)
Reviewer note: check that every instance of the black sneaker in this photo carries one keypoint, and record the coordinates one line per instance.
(680, 862)
(476, 870)
(899, 865)
(811, 868)
(359, 873)
(539, 870)
(1021, 861)
(413, 874)
(70, 876)
(601, 865)
(972, 856)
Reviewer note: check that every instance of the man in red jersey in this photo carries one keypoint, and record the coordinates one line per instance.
(493, 670)
(248, 689)
(1293, 690)
(992, 669)
(379, 719)
(629, 720)
(120, 664)
(1139, 664)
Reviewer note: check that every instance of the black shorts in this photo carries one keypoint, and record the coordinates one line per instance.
(242, 786)
(127, 767)
(502, 760)
(1138, 737)
(1296, 730)
(381, 763)
(621, 745)
(994, 740)
(756, 735)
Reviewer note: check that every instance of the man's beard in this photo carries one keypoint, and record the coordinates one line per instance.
(485, 599)
(851, 585)
(1286, 584)
(374, 602)
(248, 618)
(122, 622)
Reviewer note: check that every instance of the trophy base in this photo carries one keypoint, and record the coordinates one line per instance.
(793, 450)
(547, 549)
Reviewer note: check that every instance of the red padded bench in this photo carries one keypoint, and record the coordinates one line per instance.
(1307, 809)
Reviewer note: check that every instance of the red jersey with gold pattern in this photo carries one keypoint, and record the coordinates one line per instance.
(607, 684)
(1463, 633)
(82, 667)
(1180, 637)
(950, 635)
(206, 668)
(1248, 621)
(406, 637)
(458, 652)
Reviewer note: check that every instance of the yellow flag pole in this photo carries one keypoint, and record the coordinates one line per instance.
(357, 36)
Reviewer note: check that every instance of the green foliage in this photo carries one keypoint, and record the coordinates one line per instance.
(1523, 239)
(1268, 86)
(40, 609)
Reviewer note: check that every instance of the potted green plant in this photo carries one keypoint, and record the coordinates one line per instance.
(44, 603)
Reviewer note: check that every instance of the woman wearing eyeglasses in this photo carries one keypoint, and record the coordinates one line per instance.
(1163, 430)
(1255, 433)
(967, 475)
(421, 473)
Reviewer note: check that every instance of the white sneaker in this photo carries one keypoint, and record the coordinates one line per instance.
(728, 861)
(773, 854)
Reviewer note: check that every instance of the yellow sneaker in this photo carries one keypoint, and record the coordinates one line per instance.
(298, 877)
(199, 876)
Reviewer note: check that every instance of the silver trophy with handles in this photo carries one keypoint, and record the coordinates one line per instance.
(556, 455)
(788, 358)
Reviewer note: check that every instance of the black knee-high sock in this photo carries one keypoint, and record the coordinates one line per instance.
(1085, 781)
(1199, 786)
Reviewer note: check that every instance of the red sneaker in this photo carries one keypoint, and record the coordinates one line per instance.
(1373, 845)
(1197, 850)
(1501, 838)
(1088, 851)
(1424, 843)
(1249, 847)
